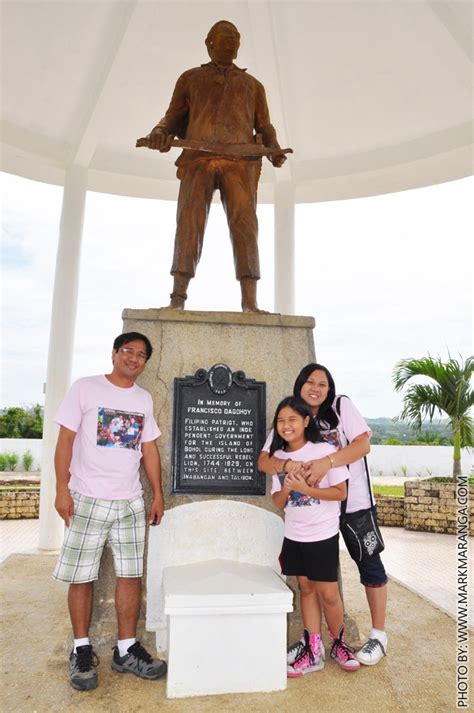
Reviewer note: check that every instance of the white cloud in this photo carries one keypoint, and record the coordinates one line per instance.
(30, 220)
(387, 278)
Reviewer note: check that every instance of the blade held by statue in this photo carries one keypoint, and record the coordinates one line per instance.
(254, 151)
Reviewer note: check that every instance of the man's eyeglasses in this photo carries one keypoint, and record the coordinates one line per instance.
(131, 352)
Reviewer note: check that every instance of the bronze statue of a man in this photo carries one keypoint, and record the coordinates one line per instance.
(217, 103)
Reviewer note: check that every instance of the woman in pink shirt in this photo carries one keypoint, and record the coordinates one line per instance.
(310, 548)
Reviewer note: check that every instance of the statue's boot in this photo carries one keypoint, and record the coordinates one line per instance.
(179, 295)
(248, 287)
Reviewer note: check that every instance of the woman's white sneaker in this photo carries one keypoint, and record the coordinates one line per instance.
(372, 652)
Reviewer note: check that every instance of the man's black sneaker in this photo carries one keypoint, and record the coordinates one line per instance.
(82, 673)
(138, 661)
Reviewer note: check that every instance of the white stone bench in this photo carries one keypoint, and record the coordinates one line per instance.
(227, 628)
(213, 575)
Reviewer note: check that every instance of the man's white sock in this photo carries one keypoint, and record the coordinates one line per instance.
(80, 642)
(124, 645)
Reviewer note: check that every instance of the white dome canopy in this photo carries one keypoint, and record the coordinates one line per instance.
(374, 97)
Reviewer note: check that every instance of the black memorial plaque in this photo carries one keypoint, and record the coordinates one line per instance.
(218, 431)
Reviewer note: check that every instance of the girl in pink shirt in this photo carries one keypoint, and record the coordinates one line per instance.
(310, 548)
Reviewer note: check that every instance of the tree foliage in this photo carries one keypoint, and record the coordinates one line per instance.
(17, 422)
(449, 392)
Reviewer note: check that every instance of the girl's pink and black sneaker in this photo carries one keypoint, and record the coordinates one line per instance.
(342, 652)
(310, 657)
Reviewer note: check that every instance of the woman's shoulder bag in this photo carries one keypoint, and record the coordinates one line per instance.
(360, 529)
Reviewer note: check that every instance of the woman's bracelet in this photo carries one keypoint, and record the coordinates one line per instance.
(331, 461)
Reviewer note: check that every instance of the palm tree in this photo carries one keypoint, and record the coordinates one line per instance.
(451, 394)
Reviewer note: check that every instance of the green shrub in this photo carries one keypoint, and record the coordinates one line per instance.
(447, 479)
(3, 462)
(12, 460)
(27, 460)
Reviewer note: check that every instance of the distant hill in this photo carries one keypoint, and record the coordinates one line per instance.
(435, 433)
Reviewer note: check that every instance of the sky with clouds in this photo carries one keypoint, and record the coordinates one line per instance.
(386, 278)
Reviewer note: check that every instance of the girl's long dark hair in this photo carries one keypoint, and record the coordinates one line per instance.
(326, 417)
(311, 432)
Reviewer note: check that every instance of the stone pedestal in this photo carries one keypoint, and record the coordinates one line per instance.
(267, 347)
(270, 348)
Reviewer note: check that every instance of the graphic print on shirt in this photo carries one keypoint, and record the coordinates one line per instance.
(119, 429)
(332, 437)
(296, 499)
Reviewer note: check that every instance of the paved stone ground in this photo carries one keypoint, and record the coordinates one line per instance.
(18, 537)
(426, 563)
(417, 675)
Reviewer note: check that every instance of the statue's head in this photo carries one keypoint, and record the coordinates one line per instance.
(223, 42)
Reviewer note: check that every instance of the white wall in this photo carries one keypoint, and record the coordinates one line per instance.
(419, 460)
(20, 446)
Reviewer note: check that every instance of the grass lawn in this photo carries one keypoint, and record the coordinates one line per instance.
(19, 487)
(397, 491)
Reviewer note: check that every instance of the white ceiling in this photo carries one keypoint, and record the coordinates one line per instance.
(374, 96)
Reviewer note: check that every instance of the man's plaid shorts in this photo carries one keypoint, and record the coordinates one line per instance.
(121, 522)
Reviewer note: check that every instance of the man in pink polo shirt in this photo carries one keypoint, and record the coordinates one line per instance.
(106, 428)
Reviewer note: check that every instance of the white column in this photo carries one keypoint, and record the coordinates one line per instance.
(61, 344)
(284, 208)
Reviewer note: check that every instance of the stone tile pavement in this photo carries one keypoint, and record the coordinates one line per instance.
(426, 563)
(18, 537)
